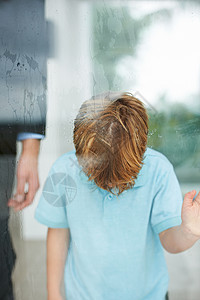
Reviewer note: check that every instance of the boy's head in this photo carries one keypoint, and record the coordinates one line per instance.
(110, 138)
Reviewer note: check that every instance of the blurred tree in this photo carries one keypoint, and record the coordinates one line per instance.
(176, 134)
(174, 130)
(116, 34)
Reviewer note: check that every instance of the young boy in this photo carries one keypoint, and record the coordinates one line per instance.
(111, 205)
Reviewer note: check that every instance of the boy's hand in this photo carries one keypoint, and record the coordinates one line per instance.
(180, 238)
(191, 214)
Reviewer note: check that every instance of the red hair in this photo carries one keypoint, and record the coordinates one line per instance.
(110, 138)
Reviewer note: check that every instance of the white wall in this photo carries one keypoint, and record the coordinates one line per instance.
(68, 73)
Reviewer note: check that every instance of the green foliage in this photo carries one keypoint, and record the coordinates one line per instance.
(176, 134)
(116, 35)
(174, 130)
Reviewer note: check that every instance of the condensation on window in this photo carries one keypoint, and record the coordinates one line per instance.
(55, 55)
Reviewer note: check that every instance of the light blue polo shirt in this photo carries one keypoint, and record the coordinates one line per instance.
(114, 252)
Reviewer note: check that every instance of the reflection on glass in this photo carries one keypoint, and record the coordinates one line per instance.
(153, 47)
(148, 47)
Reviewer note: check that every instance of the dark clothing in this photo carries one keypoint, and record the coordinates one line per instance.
(7, 261)
(7, 255)
(7, 170)
(23, 54)
(8, 135)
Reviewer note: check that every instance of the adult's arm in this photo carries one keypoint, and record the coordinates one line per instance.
(27, 172)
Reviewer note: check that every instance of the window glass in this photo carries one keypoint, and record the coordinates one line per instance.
(152, 48)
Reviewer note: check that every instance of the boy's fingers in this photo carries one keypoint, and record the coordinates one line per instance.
(189, 197)
(197, 198)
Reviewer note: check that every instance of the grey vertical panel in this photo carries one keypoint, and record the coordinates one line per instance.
(23, 53)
